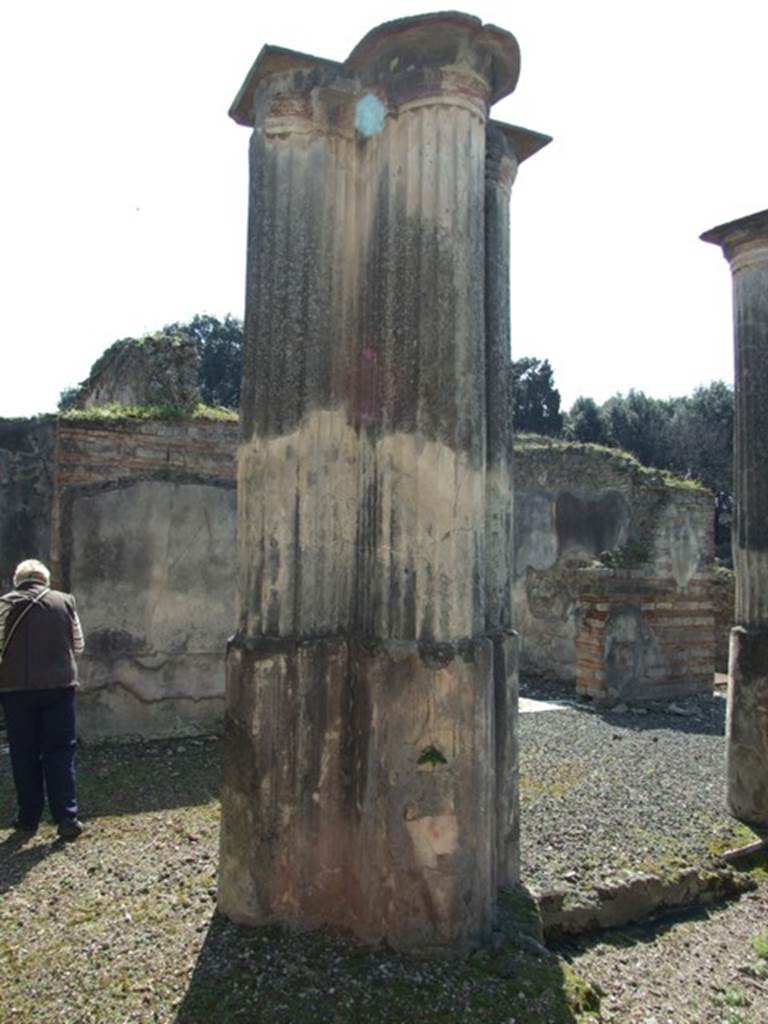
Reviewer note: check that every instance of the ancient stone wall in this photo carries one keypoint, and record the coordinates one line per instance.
(137, 519)
(639, 637)
(26, 492)
(576, 504)
(144, 532)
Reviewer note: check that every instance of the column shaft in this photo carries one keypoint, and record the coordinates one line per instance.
(370, 779)
(745, 244)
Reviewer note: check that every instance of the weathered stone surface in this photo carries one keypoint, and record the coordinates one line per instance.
(137, 518)
(27, 458)
(371, 685)
(575, 504)
(506, 148)
(153, 566)
(745, 245)
(357, 789)
(639, 638)
(159, 370)
(623, 901)
(747, 726)
(723, 598)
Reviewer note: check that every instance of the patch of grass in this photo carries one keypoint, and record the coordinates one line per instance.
(732, 998)
(557, 781)
(760, 945)
(731, 838)
(116, 411)
(734, 837)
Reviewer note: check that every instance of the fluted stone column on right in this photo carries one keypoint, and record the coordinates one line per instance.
(745, 245)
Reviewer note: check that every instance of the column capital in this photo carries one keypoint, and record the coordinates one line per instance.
(283, 73)
(431, 58)
(507, 146)
(744, 241)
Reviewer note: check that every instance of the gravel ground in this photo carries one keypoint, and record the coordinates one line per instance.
(605, 791)
(706, 967)
(120, 926)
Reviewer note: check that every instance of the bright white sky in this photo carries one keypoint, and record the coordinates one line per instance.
(123, 182)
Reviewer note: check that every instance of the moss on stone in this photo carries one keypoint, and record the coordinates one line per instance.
(618, 458)
(115, 411)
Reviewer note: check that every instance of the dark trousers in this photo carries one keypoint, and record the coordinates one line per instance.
(41, 737)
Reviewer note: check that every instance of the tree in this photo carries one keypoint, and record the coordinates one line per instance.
(702, 435)
(68, 398)
(535, 399)
(585, 422)
(220, 345)
(640, 425)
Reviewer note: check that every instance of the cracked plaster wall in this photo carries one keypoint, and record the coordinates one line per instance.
(153, 567)
(137, 519)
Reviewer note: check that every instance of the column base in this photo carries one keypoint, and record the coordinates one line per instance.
(747, 726)
(360, 790)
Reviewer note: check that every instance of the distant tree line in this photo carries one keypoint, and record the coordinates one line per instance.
(691, 436)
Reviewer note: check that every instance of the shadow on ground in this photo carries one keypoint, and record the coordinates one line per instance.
(641, 934)
(19, 855)
(268, 976)
(135, 778)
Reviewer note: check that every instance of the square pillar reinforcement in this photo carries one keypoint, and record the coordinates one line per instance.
(371, 773)
(745, 245)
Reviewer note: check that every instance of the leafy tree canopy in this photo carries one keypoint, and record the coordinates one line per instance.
(585, 422)
(535, 399)
(220, 345)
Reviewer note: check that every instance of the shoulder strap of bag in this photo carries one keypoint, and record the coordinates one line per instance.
(17, 623)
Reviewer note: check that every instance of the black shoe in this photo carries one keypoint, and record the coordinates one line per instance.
(22, 826)
(70, 829)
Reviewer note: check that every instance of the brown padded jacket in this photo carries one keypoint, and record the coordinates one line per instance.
(41, 651)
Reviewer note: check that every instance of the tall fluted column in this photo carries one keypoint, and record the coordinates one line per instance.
(360, 786)
(506, 148)
(745, 246)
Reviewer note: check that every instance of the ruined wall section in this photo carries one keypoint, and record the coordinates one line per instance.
(26, 492)
(144, 530)
(576, 504)
(641, 638)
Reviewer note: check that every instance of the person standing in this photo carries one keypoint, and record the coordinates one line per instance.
(40, 635)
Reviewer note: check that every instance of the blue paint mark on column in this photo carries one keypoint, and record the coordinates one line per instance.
(369, 115)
